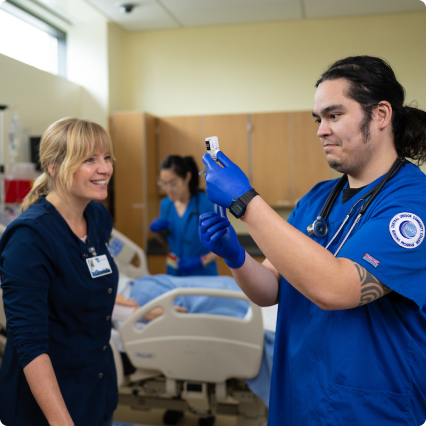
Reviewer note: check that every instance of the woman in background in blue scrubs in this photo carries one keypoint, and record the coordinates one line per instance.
(177, 225)
(58, 367)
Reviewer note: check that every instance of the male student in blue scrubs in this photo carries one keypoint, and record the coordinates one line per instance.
(351, 331)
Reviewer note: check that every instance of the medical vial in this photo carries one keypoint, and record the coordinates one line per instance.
(212, 145)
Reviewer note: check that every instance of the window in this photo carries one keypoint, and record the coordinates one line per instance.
(29, 39)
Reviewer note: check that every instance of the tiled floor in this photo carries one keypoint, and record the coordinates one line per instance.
(154, 417)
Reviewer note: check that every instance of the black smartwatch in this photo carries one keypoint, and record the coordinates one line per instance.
(238, 206)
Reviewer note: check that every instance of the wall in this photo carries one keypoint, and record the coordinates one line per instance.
(115, 35)
(88, 67)
(261, 67)
(38, 97)
(41, 98)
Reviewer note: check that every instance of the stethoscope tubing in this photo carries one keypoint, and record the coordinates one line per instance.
(371, 195)
(344, 223)
(193, 212)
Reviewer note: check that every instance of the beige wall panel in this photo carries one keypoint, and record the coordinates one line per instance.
(309, 162)
(270, 157)
(231, 131)
(127, 133)
(261, 67)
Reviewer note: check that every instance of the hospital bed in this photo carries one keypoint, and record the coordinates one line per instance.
(189, 362)
(185, 362)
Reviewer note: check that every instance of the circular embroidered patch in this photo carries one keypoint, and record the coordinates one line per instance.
(407, 230)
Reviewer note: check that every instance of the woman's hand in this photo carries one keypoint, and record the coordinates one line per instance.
(158, 225)
(190, 264)
(44, 386)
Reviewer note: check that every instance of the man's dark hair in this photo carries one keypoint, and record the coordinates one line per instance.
(372, 80)
(181, 166)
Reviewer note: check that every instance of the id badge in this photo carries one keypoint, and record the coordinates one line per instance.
(172, 260)
(99, 266)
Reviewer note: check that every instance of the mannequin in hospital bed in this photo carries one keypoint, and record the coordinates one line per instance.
(128, 306)
(134, 293)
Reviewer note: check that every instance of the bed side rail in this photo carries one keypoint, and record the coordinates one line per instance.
(197, 347)
(129, 257)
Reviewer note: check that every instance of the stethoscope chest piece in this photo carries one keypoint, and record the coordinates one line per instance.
(319, 228)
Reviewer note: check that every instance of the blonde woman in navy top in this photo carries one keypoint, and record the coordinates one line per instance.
(59, 284)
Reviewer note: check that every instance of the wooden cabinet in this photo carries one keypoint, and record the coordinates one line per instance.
(156, 264)
(280, 153)
(309, 161)
(185, 136)
(232, 132)
(288, 158)
(133, 137)
(180, 136)
(271, 157)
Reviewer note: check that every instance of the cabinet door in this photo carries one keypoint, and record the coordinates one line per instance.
(309, 162)
(157, 264)
(127, 133)
(270, 157)
(232, 134)
(151, 166)
(180, 136)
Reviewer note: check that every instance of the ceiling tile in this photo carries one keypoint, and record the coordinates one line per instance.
(146, 15)
(161, 14)
(219, 12)
(333, 8)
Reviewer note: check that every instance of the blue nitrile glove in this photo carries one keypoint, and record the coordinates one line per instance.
(218, 236)
(224, 184)
(189, 264)
(158, 225)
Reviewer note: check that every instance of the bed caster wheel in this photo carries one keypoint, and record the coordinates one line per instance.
(172, 417)
(207, 421)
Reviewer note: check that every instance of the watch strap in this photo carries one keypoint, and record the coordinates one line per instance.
(247, 197)
(242, 202)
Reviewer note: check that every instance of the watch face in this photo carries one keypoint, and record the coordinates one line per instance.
(237, 209)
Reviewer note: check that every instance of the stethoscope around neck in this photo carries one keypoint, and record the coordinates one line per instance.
(320, 228)
(195, 212)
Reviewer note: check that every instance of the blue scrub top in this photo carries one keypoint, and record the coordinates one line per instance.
(183, 238)
(54, 306)
(366, 365)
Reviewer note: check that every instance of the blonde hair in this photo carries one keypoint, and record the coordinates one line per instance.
(65, 145)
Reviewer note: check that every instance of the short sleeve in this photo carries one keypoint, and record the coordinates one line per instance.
(26, 268)
(391, 246)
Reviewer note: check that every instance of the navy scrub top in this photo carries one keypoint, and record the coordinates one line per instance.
(54, 306)
(366, 365)
(183, 237)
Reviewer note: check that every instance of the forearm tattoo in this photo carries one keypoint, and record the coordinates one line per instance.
(371, 288)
